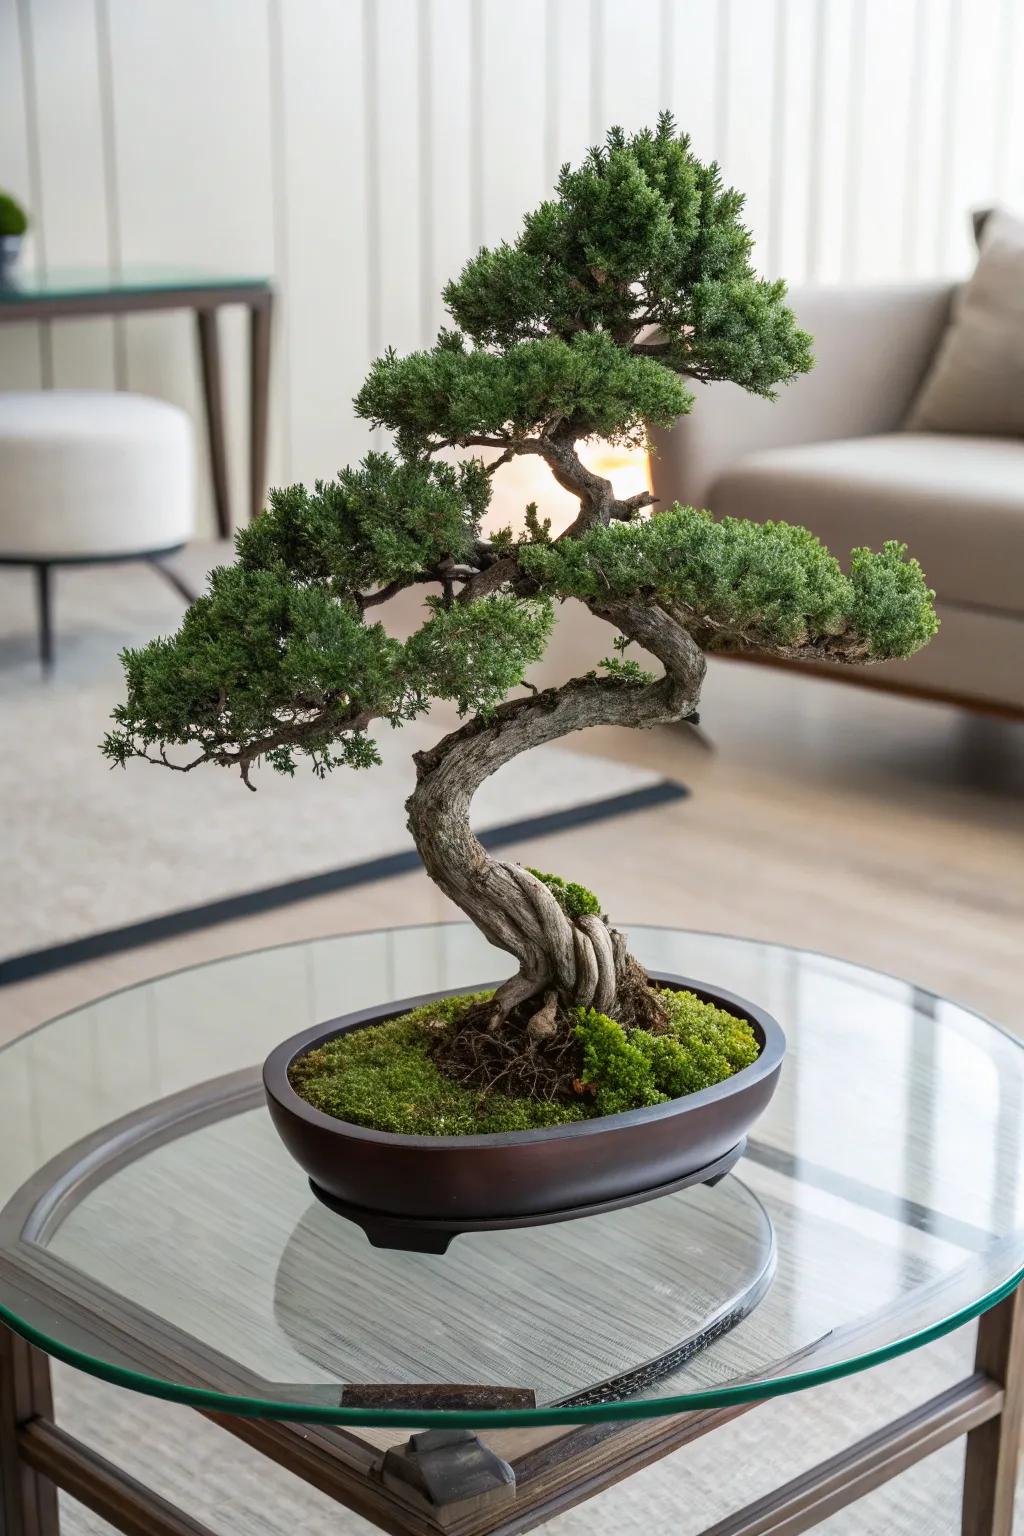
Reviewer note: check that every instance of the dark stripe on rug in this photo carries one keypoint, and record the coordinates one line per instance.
(113, 941)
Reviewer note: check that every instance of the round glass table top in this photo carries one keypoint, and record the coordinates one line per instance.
(155, 1232)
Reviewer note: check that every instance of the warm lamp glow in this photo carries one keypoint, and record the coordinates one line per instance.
(528, 479)
(628, 469)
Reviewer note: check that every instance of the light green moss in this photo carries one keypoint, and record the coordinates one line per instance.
(385, 1076)
(574, 899)
(628, 1068)
(616, 1068)
(704, 1045)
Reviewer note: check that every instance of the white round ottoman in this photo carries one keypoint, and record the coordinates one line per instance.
(89, 475)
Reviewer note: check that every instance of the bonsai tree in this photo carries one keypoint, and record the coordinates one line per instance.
(628, 290)
(13, 218)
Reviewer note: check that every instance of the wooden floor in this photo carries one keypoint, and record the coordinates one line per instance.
(844, 820)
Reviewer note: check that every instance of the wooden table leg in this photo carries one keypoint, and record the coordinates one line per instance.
(213, 394)
(260, 317)
(28, 1501)
(993, 1449)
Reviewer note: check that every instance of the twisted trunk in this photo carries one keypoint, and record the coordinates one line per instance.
(581, 960)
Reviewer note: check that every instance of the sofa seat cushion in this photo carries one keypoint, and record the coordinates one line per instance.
(957, 502)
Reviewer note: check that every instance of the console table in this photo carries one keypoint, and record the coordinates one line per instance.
(60, 295)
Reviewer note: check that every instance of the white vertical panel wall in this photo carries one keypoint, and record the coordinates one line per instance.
(194, 170)
(22, 346)
(73, 193)
(360, 150)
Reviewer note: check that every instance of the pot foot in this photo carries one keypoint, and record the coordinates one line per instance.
(413, 1234)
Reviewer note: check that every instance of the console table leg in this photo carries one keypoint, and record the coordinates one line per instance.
(993, 1449)
(213, 395)
(28, 1501)
(260, 317)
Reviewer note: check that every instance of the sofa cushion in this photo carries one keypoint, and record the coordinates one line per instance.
(957, 502)
(976, 381)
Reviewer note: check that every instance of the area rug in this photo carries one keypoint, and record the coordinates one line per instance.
(97, 860)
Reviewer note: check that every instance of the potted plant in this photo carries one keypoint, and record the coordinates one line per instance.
(13, 224)
(581, 1079)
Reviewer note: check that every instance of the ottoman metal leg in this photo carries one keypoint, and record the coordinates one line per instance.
(172, 577)
(44, 606)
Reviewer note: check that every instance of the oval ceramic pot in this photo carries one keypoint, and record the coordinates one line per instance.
(10, 253)
(519, 1173)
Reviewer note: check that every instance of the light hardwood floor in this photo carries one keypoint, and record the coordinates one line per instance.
(839, 819)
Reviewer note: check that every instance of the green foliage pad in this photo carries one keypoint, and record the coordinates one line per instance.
(641, 233)
(770, 584)
(379, 521)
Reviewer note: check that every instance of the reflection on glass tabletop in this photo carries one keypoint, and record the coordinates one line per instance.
(155, 1232)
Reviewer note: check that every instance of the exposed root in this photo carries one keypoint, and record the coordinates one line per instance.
(600, 940)
(586, 970)
(636, 1006)
(544, 1024)
(532, 1051)
(583, 954)
(510, 996)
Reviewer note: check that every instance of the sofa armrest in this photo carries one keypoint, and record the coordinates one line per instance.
(872, 347)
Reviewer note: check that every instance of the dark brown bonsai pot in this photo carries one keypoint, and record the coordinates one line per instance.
(514, 1175)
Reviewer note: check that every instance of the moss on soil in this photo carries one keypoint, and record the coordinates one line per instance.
(386, 1077)
(573, 898)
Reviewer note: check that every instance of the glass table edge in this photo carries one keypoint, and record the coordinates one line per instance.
(206, 1400)
(357, 933)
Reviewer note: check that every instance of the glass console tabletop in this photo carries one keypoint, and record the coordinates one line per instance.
(155, 1232)
(30, 286)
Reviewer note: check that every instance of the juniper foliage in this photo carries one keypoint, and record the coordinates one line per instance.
(633, 281)
(382, 521)
(642, 234)
(455, 393)
(773, 585)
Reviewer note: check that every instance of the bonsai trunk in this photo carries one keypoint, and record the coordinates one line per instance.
(582, 959)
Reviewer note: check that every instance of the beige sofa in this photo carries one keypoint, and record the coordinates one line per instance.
(830, 453)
